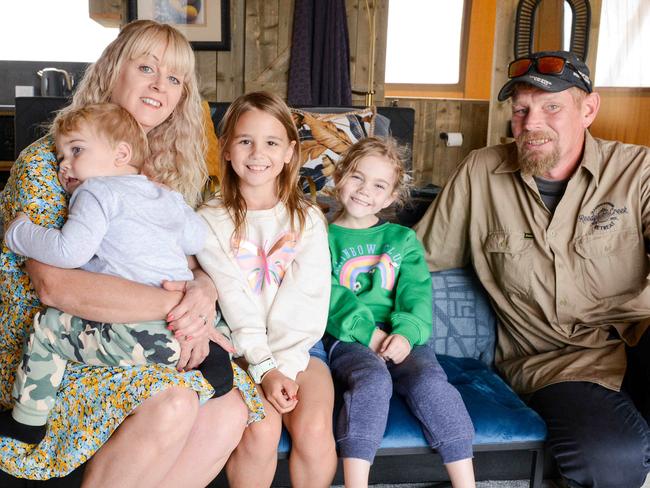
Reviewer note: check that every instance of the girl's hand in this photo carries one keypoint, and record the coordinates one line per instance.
(194, 316)
(377, 339)
(193, 352)
(17, 217)
(280, 391)
(218, 338)
(395, 348)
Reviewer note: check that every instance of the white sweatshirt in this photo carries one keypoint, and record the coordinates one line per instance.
(273, 286)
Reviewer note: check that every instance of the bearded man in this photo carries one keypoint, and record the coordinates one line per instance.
(556, 226)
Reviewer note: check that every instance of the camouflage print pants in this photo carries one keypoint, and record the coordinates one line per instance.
(59, 337)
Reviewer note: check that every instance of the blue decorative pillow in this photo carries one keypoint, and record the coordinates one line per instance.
(464, 324)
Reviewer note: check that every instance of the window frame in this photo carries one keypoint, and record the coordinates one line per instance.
(440, 89)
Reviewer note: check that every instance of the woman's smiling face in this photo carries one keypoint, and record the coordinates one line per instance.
(148, 89)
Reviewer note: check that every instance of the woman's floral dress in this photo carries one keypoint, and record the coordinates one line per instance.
(92, 401)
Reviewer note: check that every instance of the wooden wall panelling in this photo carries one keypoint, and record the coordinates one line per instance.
(206, 71)
(445, 158)
(266, 65)
(499, 115)
(473, 125)
(359, 34)
(622, 111)
(359, 61)
(549, 26)
(433, 161)
(353, 9)
(230, 64)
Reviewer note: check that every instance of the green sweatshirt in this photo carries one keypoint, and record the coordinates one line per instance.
(379, 275)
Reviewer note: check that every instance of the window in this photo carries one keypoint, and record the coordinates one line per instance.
(623, 44)
(48, 30)
(424, 42)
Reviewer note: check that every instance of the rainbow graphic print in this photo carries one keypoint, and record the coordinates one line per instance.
(382, 264)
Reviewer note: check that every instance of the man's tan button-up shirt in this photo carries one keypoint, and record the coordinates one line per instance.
(570, 289)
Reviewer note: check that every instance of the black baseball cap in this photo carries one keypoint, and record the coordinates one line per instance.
(552, 71)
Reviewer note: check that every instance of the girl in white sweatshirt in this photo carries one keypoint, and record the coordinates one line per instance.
(267, 253)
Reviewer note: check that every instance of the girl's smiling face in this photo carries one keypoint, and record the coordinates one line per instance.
(367, 190)
(258, 151)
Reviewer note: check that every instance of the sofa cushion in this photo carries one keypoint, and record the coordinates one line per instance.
(498, 414)
(464, 324)
(325, 137)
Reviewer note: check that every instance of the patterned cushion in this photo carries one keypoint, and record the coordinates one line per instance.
(324, 137)
(463, 320)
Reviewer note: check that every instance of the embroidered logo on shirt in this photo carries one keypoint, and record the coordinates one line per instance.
(264, 266)
(604, 216)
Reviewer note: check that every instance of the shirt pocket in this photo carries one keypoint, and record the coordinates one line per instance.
(612, 264)
(510, 259)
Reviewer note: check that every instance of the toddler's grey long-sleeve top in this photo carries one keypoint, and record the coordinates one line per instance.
(125, 226)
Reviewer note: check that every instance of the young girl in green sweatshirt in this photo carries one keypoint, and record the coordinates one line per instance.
(380, 319)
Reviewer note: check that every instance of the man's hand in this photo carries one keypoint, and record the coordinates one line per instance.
(395, 348)
(378, 337)
(280, 391)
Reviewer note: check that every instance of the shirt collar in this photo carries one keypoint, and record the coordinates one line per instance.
(590, 160)
(509, 162)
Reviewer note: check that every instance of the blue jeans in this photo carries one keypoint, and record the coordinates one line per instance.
(318, 351)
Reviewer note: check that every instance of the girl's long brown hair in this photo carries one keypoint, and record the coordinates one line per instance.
(288, 190)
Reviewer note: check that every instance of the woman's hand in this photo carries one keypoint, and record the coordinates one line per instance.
(280, 390)
(395, 348)
(194, 316)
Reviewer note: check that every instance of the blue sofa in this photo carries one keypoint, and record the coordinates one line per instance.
(464, 340)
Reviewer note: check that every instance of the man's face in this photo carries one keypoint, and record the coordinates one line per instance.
(549, 130)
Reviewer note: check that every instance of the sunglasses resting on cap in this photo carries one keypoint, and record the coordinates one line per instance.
(552, 71)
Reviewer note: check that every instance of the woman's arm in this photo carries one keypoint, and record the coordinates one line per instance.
(100, 297)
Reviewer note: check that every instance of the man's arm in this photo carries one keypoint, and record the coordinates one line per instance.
(444, 228)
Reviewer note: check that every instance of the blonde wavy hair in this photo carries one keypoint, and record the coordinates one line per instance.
(288, 190)
(384, 147)
(177, 146)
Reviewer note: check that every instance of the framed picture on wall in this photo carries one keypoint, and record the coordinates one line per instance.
(205, 23)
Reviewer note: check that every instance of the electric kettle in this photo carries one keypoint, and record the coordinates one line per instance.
(55, 82)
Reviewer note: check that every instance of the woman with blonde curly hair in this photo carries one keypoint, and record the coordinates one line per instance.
(155, 427)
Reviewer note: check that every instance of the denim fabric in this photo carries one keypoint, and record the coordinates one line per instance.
(318, 351)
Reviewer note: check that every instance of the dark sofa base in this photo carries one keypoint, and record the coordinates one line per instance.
(416, 468)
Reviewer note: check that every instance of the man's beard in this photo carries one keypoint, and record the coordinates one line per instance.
(533, 162)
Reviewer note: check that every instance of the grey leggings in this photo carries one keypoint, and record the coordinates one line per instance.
(419, 379)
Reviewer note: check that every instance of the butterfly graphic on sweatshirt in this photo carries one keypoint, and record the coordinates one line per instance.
(265, 265)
